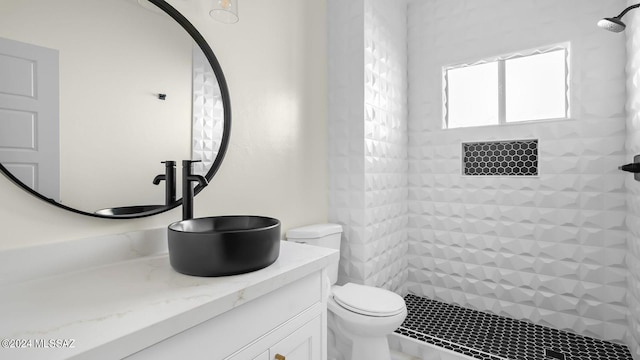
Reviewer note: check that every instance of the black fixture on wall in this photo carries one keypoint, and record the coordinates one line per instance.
(633, 167)
(615, 24)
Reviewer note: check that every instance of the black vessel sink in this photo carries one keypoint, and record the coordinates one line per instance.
(223, 245)
(128, 210)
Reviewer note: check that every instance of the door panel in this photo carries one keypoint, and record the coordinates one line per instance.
(18, 75)
(29, 115)
(303, 344)
(18, 129)
(263, 356)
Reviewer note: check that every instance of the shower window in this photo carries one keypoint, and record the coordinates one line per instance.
(526, 86)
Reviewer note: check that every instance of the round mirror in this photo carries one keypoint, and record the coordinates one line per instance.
(95, 95)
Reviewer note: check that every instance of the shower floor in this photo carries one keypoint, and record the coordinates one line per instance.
(491, 337)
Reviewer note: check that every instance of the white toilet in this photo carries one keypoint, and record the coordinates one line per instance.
(359, 317)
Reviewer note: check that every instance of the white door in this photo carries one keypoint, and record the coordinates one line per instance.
(29, 115)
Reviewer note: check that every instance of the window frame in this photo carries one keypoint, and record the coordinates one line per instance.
(501, 59)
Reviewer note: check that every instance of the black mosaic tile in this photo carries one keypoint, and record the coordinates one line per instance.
(487, 336)
(500, 158)
(446, 344)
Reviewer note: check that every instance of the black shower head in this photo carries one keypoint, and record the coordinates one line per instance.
(612, 24)
(615, 24)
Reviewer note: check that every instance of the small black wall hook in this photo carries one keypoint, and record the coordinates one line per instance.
(162, 96)
(633, 167)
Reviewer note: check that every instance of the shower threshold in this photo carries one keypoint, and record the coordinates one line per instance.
(485, 336)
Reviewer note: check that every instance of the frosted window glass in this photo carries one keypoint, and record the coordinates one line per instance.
(473, 95)
(535, 87)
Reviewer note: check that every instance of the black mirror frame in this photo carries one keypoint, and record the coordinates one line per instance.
(226, 132)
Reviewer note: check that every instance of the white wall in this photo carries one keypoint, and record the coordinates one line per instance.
(368, 139)
(633, 187)
(548, 249)
(275, 64)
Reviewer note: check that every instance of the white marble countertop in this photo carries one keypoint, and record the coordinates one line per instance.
(116, 309)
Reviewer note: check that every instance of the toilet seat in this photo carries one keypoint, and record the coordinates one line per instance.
(368, 300)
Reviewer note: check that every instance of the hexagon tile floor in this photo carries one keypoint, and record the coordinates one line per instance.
(491, 337)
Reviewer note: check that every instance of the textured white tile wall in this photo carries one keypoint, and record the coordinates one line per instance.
(549, 249)
(386, 166)
(632, 186)
(208, 114)
(368, 139)
(346, 132)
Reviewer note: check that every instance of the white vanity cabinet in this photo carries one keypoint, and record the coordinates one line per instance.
(288, 323)
(141, 309)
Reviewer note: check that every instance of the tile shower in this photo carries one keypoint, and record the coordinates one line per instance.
(559, 249)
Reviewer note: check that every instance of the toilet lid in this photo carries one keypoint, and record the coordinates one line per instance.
(367, 300)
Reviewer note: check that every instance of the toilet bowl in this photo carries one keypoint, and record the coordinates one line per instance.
(364, 317)
(359, 317)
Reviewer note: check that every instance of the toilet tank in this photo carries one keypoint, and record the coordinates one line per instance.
(323, 235)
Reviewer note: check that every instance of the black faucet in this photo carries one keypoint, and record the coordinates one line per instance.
(187, 189)
(169, 177)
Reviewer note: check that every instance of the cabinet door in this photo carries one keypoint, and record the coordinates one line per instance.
(302, 344)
